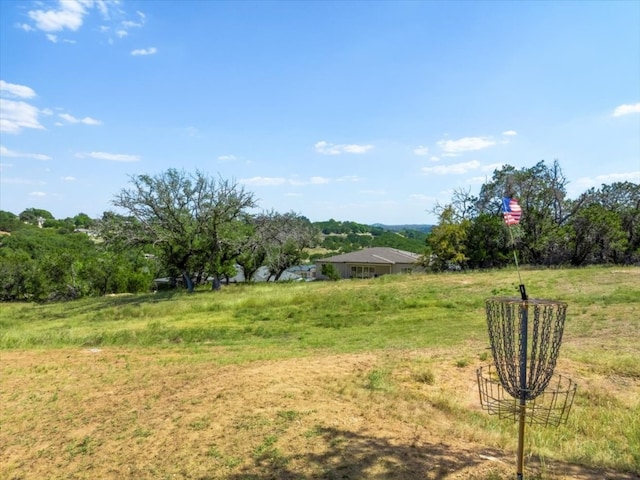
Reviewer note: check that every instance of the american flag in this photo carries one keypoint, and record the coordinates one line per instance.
(511, 211)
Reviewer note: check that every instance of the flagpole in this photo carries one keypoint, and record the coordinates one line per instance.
(512, 216)
(523, 291)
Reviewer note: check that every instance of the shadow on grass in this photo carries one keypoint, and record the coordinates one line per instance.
(354, 456)
(93, 304)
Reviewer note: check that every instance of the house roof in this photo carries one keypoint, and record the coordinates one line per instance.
(375, 255)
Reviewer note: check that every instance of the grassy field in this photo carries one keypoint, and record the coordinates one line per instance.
(352, 379)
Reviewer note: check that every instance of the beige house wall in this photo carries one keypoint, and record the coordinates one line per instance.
(376, 270)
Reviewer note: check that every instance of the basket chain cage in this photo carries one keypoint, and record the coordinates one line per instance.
(545, 322)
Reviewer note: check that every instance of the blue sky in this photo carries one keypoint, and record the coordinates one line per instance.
(362, 111)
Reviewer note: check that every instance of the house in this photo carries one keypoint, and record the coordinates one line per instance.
(371, 262)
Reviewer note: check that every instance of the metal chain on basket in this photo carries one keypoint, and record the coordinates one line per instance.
(546, 324)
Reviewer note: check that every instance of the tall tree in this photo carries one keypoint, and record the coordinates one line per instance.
(287, 236)
(541, 192)
(185, 217)
(624, 199)
(596, 236)
(447, 242)
(487, 244)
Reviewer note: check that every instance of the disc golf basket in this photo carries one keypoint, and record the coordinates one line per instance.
(525, 338)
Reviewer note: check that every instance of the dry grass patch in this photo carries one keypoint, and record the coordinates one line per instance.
(124, 413)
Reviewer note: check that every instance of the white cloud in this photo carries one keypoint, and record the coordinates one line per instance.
(617, 177)
(348, 178)
(356, 148)
(102, 5)
(20, 181)
(5, 152)
(277, 181)
(14, 90)
(85, 120)
(421, 197)
(112, 157)
(69, 179)
(227, 158)
(68, 16)
(54, 39)
(476, 181)
(453, 169)
(319, 180)
(130, 24)
(626, 109)
(16, 116)
(421, 150)
(581, 184)
(491, 167)
(37, 194)
(466, 144)
(373, 192)
(264, 181)
(144, 51)
(510, 133)
(434, 158)
(326, 148)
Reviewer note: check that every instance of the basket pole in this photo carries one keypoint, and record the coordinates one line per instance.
(523, 381)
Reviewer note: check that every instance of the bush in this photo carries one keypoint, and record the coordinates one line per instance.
(330, 271)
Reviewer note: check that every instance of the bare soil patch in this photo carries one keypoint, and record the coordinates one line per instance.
(117, 413)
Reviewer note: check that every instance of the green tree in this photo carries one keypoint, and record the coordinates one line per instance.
(9, 221)
(82, 220)
(487, 244)
(623, 198)
(185, 217)
(34, 216)
(291, 235)
(42, 264)
(541, 192)
(596, 236)
(330, 271)
(447, 242)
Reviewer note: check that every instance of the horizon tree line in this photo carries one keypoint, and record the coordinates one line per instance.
(202, 229)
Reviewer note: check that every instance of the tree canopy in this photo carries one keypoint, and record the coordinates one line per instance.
(600, 226)
(185, 217)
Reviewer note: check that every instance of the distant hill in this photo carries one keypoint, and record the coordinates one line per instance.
(343, 237)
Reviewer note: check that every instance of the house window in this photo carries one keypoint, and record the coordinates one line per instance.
(361, 271)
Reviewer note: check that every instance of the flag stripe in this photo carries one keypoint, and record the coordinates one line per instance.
(511, 211)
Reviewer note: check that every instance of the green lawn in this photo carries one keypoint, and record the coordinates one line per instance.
(421, 332)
